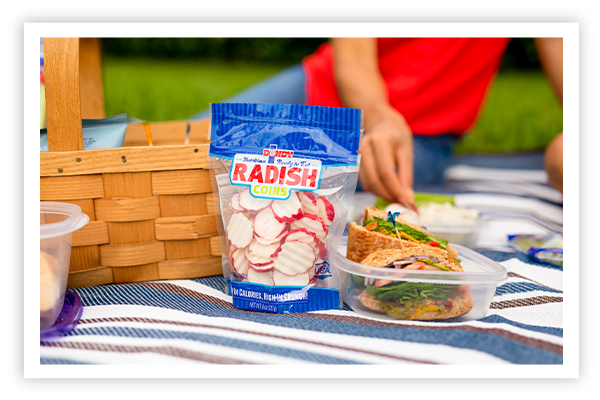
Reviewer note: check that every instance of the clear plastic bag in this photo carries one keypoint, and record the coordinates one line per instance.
(545, 249)
(283, 180)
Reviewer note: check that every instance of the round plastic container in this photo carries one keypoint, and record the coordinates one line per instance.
(481, 276)
(465, 233)
(444, 224)
(57, 223)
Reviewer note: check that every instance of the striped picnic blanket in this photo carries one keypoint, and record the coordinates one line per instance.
(193, 321)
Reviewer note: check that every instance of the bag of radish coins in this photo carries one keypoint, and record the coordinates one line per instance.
(283, 180)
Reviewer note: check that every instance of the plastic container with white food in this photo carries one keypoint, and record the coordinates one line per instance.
(460, 225)
(481, 276)
(58, 221)
(464, 233)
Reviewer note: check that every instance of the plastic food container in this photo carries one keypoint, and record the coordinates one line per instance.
(481, 276)
(57, 223)
(464, 233)
(445, 221)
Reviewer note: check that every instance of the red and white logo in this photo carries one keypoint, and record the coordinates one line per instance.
(275, 173)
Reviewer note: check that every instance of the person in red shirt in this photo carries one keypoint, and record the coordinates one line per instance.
(419, 95)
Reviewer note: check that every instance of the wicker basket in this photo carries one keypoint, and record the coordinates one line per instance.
(151, 208)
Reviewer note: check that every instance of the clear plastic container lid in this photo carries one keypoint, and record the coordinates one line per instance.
(457, 227)
(66, 219)
(477, 269)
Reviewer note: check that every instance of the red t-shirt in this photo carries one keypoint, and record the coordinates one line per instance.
(437, 84)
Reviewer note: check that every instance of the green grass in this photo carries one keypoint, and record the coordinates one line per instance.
(521, 112)
(158, 90)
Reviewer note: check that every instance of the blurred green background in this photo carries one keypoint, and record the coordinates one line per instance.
(162, 79)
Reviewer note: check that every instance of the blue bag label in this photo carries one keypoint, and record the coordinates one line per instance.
(282, 299)
(329, 134)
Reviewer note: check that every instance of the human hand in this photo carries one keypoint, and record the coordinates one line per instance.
(386, 167)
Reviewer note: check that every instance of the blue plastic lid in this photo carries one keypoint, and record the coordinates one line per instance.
(67, 319)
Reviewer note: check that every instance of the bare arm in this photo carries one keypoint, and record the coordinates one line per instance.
(387, 149)
(550, 51)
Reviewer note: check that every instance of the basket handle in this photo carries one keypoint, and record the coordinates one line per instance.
(63, 105)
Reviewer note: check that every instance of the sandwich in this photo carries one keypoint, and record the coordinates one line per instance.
(379, 232)
(415, 300)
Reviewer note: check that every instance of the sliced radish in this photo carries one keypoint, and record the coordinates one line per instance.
(262, 268)
(230, 247)
(325, 210)
(266, 226)
(302, 235)
(251, 215)
(320, 249)
(294, 258)
(240, 230)
(234, 203)
(255, 259)
(266, 278)
(311, 223)
(239, 262)
(249, 203)
(277, 240)
(281, 279)
(311, 271)
(263, 250)
(287, 210)
(308, 202)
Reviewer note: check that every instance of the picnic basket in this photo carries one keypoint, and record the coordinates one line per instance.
(151, 208)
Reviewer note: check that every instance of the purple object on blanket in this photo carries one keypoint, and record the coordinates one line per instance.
(67, 319)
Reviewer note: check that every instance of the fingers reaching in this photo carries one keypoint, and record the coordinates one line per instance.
(370, 178)
(386, 167)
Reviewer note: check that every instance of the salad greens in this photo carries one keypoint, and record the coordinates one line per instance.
(420, 199)
(405, 292)
(387, 227)
(423, 198)
(432, 263)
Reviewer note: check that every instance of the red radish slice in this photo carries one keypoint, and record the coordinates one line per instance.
(230, 248)
(287, 210)
(321, 250)
(311, 223)
(240, 230)
(294, 258)
(266, 278)
(234, 203)
(308, 202)
(263, 250)
(262, 268)
(255, 259)
(251, 215)
(302, 235)
(325, 210)
(266, 226)
(276, 240)
(280, 279)
(249, 203)
(239, 262)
